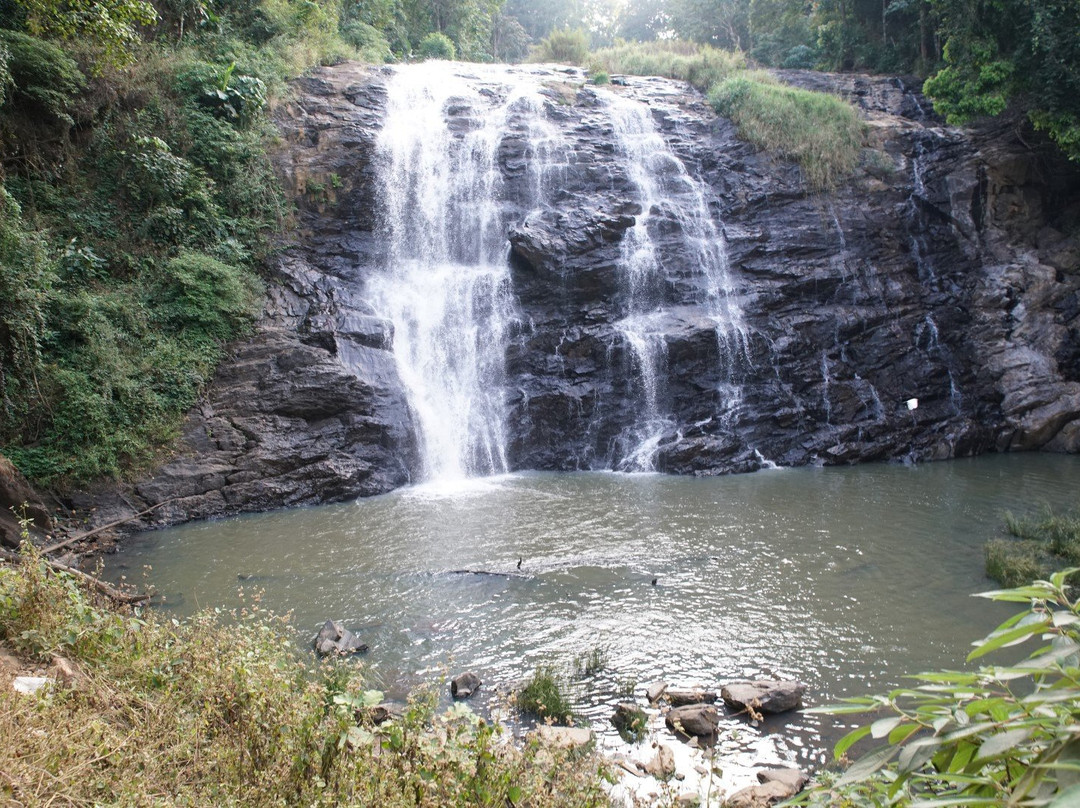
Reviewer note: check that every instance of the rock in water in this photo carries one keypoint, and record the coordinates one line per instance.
(662, 764)
(333, 638)
(700, 720)
(654, 691)
(763, 695)
(762, 796)
(464, 685)
(794, 778)
(680, 698)
(565, 737)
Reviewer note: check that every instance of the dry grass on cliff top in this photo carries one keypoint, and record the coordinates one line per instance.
(223, 710)
(821, 132)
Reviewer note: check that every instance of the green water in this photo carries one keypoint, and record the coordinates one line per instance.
(845, 578)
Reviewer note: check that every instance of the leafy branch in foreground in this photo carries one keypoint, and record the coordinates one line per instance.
(1001, 735)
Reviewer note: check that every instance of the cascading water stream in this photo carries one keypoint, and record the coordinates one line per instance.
(667, 195)
(447, 284)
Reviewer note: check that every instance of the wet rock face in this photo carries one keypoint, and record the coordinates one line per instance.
(942, 272)
(310, 409)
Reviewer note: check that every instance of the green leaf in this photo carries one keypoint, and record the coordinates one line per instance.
(867, 765)
(902, 733)
(1022, 594)
(1014, 635)
(514, 794)
(917, 753)
(1069, 798)
(997, 745)
(846, 742)
(883, 726)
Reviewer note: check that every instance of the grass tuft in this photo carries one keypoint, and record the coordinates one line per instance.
(544, 696)
(701, 65)
(1040, 545)
(821, 132)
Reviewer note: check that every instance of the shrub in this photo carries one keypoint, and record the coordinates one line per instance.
(42, 76)
(821, 132)
(26, 276)
(600, 77)
(201, 293)
(436, 46)
(999, 735)
(369, 41)
(543, 696)
(568, 46)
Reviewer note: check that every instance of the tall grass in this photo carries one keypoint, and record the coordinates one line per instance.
(1039, 545)
(821, 132)
(223, 710)
(701, 65)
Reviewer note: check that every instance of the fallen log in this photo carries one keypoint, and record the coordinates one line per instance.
(52, 548)
(106, 589)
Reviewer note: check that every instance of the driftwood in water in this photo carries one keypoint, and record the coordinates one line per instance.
(108, 590)
(52, 548)
(488, 572)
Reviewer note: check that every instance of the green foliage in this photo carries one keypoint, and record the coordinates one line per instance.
(821, 132)
(568, 46)
(999, 735)
(1000, 51)
(228, 712)
(1040, 545)
(436, 46)
(632, 727)
(109, 26)
(26, 276)
(544, 696)
(370, 43)
(599, 77)
(41, 77)
(201, 294)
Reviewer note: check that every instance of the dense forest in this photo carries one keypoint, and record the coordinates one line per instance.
(137, 200)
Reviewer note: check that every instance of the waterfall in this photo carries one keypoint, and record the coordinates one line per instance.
(448, 198)
(446, 286)
(668, 195)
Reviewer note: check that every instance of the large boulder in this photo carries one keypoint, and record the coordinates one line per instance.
(700, 720)
(764, 696)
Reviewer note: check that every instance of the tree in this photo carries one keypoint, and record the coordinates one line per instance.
(1000, 51)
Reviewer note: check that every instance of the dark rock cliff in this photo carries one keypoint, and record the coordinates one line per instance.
(940, 272)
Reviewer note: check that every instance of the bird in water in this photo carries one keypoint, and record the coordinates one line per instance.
(519, 562)
(654, 580)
